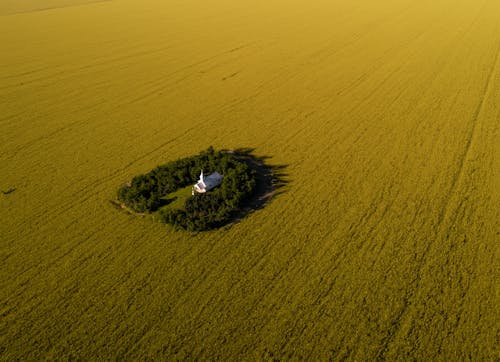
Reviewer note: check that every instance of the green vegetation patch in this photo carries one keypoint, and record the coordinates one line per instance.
(160, 190)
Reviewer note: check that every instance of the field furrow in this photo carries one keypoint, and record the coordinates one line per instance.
(383, 118)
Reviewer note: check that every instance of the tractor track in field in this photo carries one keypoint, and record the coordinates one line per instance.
(448, 207)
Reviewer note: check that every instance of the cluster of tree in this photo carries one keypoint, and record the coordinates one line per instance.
(145, 193)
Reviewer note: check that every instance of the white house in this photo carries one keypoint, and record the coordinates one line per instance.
(205, 184)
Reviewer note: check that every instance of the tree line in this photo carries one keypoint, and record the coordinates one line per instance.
(146, 193)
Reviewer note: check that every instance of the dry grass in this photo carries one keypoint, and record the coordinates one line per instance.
(383, 243)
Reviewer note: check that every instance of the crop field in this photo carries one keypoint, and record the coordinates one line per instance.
(383, 116)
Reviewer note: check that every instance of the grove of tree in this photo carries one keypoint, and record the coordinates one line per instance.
(148, 193)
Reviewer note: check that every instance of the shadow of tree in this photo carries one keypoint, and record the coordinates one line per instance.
(167, 201)
(270, 179)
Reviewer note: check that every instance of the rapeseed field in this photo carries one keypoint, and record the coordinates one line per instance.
(383, 117)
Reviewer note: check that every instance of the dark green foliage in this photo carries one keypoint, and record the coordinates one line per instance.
(201, 211)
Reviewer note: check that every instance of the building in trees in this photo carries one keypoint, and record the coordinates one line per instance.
(206, 183)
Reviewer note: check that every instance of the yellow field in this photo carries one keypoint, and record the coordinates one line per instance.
(382, 245)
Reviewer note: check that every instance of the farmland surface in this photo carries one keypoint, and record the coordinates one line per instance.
(384, 117)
